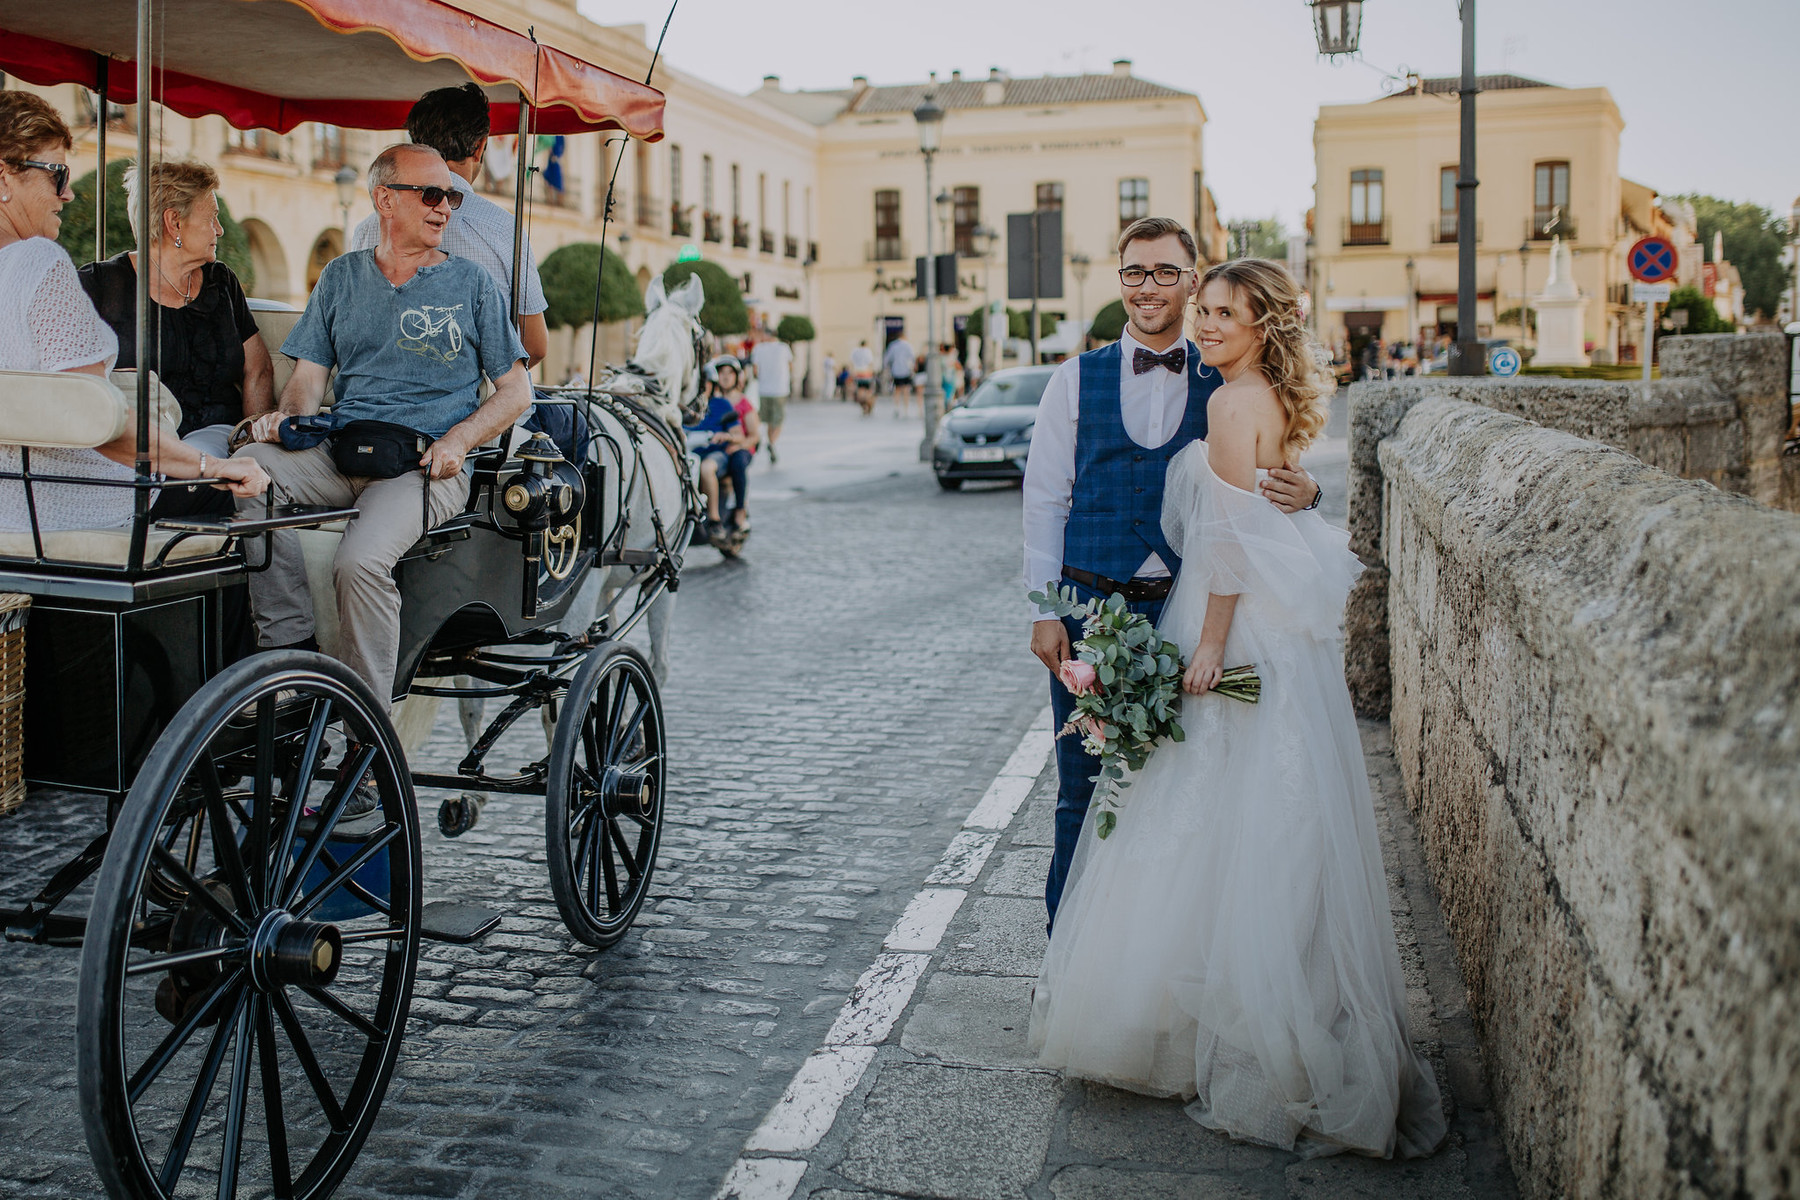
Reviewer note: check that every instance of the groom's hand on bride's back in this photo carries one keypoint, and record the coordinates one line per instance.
(1290, 488)
(1050, 642)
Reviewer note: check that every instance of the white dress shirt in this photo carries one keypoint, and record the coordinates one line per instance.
(1151, 406)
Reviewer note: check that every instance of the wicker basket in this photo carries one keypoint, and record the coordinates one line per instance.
(14, 607)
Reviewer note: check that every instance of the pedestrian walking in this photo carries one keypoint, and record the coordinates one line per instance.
(830, 368)
(862, 376)
(901, 363)
(773, 361)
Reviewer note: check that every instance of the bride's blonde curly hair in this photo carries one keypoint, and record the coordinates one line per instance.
(1295, 365)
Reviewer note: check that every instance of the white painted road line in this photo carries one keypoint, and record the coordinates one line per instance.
(963, 861)
(806, 1110)
(880, 997)
(762, 1179)
(809, 1107)
(922, 925)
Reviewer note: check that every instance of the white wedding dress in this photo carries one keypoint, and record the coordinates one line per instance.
(1231, 942)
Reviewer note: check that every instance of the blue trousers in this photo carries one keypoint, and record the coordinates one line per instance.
(1076, 769)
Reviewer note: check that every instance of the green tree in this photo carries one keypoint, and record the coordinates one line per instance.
(795, 328)
(1109, 322)
(1018, 323)
(1703, 317)
(568, 274)
(77, 233)
(1754, 238)
(724, 312)
(1267, 237)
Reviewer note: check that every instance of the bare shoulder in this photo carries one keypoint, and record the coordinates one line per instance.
(1248, 400)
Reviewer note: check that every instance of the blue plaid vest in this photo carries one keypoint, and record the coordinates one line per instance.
(1115, 513)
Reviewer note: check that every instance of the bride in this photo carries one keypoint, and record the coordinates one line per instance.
(1231, 941)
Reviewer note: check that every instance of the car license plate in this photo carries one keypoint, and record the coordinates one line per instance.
(984, 454)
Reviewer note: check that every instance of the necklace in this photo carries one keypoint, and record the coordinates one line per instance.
(187, 297)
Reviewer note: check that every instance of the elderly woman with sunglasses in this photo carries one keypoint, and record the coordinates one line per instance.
(48, 324)
(207, 350)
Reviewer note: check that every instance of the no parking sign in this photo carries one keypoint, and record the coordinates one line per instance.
(1652, 259)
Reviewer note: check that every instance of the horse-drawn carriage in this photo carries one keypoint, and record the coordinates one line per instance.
(249, 955)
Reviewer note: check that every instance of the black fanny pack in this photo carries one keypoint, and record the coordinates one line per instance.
(377, 449)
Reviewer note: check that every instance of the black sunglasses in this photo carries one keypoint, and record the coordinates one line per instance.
(59, 172)
(431, 194)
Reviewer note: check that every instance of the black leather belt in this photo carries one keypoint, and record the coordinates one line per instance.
(1135, 590)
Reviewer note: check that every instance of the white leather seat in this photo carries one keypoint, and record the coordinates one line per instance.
(106, 547)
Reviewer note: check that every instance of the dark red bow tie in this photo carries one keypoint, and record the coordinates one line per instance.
(1144, 360)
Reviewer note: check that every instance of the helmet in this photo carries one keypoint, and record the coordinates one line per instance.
(711, 370)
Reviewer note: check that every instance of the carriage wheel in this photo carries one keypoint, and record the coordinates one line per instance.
(605, 799)
(249, 957)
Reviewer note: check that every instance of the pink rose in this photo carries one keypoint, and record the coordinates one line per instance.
(1077, 676)
(1092, 728)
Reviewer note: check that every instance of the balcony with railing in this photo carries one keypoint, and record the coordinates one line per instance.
(790, 247)
(883, 249)
(1366, 233)
(1548, 223)
(1443, 230)
(714, 223)
(740, 233)
(765, 241)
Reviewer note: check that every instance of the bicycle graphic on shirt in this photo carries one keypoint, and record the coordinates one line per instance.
(432, 331)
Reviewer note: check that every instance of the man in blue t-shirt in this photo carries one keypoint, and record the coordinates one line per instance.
(411, 331)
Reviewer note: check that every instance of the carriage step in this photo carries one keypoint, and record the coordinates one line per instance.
(453, 921)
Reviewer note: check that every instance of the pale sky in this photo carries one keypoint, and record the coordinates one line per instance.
(1709, 89)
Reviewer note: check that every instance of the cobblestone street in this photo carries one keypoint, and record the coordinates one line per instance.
(839, 700)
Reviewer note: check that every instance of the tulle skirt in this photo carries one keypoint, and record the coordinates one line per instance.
(1231, 942)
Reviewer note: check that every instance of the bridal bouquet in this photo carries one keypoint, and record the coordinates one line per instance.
(1126, 679)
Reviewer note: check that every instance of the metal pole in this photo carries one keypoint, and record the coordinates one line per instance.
(1036, 256)
(140, 525)
(519, 193)
(1649, 336)
(933, 381)
(102, 64)
(1467, 358)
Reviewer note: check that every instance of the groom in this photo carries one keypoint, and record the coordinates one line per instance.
(1107, 426)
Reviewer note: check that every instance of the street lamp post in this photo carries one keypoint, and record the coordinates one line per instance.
(930, 120)
(946, 232)
(345, 179)
(1337, 24)
(984, 239)
(1078, 267)
(1524, 295)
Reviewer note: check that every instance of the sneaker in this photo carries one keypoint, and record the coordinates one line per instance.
(773, 457)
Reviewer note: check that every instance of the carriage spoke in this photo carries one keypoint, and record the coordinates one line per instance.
(309, 1063)
(236, 1099)
(184, 958)
(590, 845)
(615, 711)
(625, 851)
(303, 777)
(641, 820)
(195, 890)
(370, 849)
(225, 848)
(177, 1037)
(203, 1086)
(372, 935)
(620, 741)
(264, 792)
(282, 1174)
(332, 1003)
(328, 819)
(612, 875)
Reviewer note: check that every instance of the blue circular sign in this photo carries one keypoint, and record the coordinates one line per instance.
(1505, 361)
(1652, 260)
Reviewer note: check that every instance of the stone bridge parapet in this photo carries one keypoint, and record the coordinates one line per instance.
(1595, 700)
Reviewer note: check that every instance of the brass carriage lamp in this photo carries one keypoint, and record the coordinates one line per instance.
(1337, 24)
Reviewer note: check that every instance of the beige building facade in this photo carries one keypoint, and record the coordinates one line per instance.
(1385, 220)
(1101, 149)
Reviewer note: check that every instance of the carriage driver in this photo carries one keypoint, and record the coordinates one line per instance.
(411, 331)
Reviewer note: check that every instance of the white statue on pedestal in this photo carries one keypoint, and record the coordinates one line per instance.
(1561, 328)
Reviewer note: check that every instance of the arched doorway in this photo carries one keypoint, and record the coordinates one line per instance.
(328, 246)
(266, 255)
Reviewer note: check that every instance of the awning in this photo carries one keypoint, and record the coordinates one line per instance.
(275, 64)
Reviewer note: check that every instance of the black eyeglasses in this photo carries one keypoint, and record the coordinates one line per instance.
(431, 194)
(59, 172)
(1164, 276)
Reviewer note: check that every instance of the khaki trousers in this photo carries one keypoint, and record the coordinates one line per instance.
(390, 518)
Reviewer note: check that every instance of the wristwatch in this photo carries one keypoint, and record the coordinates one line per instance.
(1317, 496)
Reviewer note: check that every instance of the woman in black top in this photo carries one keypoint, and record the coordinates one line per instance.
(209, 354)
